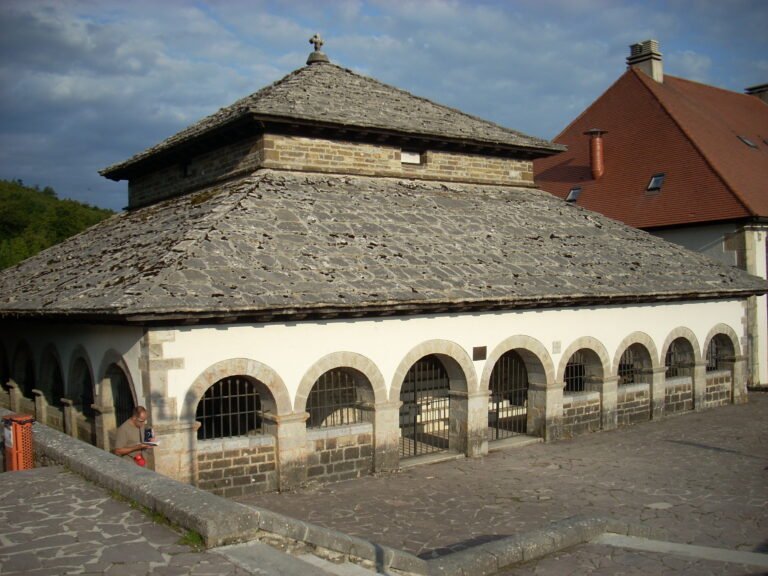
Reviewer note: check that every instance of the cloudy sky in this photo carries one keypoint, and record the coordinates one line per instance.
(87, 83)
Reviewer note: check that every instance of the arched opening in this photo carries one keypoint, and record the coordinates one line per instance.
(122, 396)
(508, 405)
(679, 361)
(80, 391)
(5, 375)
(425, 412)
(24, 370)
(236, 448)
(635, 373)
(339, 428)
(719, 379)
(720, 353)
(51, 380)
(230, 407)
(582, 377)
(339, 397)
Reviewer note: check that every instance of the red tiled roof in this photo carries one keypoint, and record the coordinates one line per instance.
(687, 130)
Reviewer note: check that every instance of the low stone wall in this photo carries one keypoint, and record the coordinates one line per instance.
(581, 413)
(633, 404)
(678, 395)
(237, 466)
(718, 388)
(340, 452)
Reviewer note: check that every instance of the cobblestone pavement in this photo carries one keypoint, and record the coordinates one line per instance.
(700, 478)
(55, 522)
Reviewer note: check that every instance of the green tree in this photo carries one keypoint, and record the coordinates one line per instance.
(32, 220)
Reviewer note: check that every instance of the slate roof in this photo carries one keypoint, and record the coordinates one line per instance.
(687, 130)
(287, 244)
(334, 96)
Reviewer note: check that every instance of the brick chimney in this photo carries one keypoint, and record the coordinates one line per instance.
(645, 56)
(596, 161)
(760, 91)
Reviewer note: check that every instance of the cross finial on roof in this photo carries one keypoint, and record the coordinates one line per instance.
(317, 41)
(317, 55)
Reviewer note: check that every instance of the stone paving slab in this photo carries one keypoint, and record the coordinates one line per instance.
(54, 522)
(699, 478)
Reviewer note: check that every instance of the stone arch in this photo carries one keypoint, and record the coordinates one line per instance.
(588, 343)
(687, 334)
(237, 367)
(23, 368)
(725, 330)
(457, 362)
(538, 362)
(357, 362)
(636, 338)
(51, 380)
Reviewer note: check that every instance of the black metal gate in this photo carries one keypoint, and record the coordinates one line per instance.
(576, 373)
(426, 409)
(122, 398)
(508, 407)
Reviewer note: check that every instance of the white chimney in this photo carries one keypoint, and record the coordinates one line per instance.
(645, 56)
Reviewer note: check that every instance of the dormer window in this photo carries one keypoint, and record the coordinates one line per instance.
(411, 157)
(657, 180)
(748, 142)
(573, 194)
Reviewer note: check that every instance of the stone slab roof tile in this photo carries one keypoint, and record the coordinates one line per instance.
(333, 95)
(285, 242)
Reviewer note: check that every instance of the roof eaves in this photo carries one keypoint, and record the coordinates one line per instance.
(321, 311)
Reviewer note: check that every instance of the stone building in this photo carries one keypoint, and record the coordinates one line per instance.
(682, 160)
(332, 276)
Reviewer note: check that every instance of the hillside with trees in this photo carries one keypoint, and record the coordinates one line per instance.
(32, 220)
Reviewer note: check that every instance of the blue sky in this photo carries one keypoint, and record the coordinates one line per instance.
(87, 83)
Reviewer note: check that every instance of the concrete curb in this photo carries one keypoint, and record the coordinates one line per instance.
(491, 557)
(220, 521)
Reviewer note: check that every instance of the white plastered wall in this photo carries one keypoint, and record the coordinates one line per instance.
(291, 349)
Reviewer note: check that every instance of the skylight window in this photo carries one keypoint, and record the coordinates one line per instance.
(747, 141)
(573, 194)
(657, 180)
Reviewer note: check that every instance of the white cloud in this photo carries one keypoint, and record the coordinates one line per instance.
(689, 64)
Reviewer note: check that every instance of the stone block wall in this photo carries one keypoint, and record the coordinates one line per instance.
(634, 404)
(455, 167)
(282, 152)
(339, 453)
(718, 389)
(678, 395)
(318, 155)
(581, 413)
(220, 164)
(237, 466)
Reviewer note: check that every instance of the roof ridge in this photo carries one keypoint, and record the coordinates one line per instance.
(646, 81)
